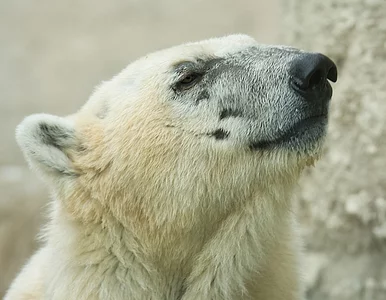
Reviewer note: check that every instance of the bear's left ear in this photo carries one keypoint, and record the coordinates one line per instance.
(45, 141)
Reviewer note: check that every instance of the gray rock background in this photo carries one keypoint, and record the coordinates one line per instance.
(52, 54)
(342, 202)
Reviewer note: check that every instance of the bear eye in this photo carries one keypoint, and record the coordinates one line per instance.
(188, 81)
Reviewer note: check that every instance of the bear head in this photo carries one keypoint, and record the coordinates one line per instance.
(194, 129)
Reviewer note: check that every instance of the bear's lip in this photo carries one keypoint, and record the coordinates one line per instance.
(308, 130)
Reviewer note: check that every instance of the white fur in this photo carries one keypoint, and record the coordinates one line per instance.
(143, 211)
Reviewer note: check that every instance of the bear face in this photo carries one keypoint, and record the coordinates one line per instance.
(233, 90)
(214, 120)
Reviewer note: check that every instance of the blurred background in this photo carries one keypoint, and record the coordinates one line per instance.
(52, 54)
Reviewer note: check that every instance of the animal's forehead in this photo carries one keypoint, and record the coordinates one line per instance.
(158, 64)
(215, 47)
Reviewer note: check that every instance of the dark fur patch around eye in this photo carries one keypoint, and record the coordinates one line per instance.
(204, 94)
(219, 134)
(200, 68)
(53, 135)
(199, 63)
(228, 112)
(183, 66)
(212, 62)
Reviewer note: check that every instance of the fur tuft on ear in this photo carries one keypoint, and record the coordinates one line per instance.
(45, 141)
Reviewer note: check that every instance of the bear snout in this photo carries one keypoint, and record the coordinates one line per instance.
(310, 73)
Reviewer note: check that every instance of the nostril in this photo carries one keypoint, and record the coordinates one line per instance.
(311, 70)
(332, 74)
(315, 79)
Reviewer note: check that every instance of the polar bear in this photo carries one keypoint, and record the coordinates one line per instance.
(174, 180)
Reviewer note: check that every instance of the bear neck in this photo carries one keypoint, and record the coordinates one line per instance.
(163, 230)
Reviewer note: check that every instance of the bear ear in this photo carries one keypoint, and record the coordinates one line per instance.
(45, 141)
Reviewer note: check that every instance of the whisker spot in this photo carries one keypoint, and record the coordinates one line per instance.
(228, 113)
(219, 134)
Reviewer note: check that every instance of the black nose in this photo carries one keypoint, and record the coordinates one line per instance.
(312, 70)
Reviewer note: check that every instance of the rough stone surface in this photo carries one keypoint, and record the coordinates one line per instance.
(342, 202)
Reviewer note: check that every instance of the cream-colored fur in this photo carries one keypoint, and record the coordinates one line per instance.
(146, 207)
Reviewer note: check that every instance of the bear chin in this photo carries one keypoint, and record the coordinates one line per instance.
(304, 136)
